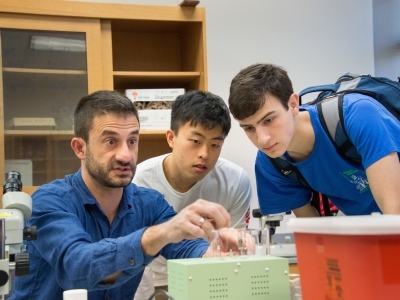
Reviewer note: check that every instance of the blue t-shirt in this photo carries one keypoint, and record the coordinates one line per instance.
(374, 132)
(76, 246)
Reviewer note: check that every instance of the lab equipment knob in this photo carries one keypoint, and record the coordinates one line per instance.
(257, 213)
(3, 277)
(21, 264)
(29, 233)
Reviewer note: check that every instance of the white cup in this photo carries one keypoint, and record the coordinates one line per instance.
(75, 295)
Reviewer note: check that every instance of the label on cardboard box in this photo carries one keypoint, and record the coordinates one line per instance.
(153, 94)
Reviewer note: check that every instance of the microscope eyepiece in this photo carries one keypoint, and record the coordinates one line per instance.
(13, 182)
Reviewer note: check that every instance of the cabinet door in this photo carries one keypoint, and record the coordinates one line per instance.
(47, 65)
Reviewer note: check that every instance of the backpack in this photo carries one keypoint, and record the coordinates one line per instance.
(330, 110)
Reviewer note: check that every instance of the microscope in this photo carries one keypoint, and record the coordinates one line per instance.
(16, 209)
(271, 222)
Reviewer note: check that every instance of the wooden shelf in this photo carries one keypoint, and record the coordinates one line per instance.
(128, 80)
(38, 132)
(152, 132)
(44, 71)
(152, 135)
(105, 10)
(29, 189)
(70, 132)
(73, 159)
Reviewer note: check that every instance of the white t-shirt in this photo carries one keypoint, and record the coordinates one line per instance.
(226, 184)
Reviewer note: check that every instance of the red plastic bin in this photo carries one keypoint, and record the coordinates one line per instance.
(348, 258)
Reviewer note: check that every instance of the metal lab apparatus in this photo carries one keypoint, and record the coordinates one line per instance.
(249, 277)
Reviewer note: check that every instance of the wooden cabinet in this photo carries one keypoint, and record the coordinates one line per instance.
(55, 52)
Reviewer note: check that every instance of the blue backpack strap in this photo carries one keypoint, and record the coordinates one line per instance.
(324, 90)
(288, 170)
(291, 172)
(330, 113)
(319, 88)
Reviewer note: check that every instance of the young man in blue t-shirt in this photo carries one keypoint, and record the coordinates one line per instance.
(262, 100)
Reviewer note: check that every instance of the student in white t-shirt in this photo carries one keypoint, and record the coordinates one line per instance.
(200, 122)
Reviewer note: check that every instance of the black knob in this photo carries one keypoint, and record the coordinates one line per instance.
(273, 223)
(257, 213)
(21, 264)
(3, 277)
(29, 233)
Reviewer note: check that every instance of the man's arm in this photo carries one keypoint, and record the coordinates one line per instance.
(185, 225)
(384, 181)
(78, 255)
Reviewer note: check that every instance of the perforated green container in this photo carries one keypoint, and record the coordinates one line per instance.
(233, 278)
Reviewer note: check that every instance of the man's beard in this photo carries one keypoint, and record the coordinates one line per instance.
(101, 173)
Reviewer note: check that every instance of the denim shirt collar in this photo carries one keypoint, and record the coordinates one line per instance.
(88, 199)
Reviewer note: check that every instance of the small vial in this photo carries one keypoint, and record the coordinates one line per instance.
(216, 243)
(79, 294)
(242, 239)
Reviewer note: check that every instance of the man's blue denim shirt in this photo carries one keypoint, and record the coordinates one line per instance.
(76, 246)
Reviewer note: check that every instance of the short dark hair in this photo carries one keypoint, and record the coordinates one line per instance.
(97, 104)
(250, 86)
(200, 108)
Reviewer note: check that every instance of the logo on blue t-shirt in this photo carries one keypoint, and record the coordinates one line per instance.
(359, 180)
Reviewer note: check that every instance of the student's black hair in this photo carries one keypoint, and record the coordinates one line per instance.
(200, 108)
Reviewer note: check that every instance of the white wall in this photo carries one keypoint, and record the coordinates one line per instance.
(316, 41)
(386, 18)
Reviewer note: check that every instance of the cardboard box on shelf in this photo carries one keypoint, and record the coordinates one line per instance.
(32, 124)
(154, 106)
